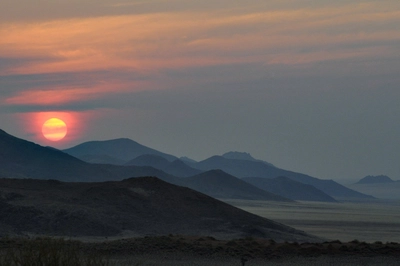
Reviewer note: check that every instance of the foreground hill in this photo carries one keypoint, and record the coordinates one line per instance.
(248, 168)
(219, 184)
(111, 151)
(136, 206)
(289, 188)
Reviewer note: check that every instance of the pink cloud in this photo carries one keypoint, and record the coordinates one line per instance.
(150, 42)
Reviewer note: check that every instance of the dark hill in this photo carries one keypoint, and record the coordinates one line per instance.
(137, 206)
(375, 179)
(122, 149)
(289, 188)
(246, 168)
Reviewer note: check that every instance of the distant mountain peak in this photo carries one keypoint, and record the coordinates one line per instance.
(370, 179)
(244, 156)
(239, 156)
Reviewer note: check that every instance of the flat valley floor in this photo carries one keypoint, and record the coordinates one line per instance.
(363, 221)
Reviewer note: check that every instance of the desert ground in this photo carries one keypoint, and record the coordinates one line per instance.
(344, 221)
(356, 234)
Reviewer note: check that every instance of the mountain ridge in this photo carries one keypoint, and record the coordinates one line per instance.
(375, 179)
(122, 149)
(222, 185)
(244, 168)
(289, 188)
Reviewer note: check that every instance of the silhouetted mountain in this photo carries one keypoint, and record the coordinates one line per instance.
(177, 167)
(121, 149)
(219, 184)
(375, 179)
(246, 168)
(136, 206)
(23, 159)
(242, 156)
(289, 188)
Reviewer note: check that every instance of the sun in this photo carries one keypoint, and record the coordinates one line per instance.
(54, 129)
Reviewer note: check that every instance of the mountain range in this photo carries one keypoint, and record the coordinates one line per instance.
(240, 165)
(23, 159)
(289, 188)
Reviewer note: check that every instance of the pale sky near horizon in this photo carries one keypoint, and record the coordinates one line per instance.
(309, 86)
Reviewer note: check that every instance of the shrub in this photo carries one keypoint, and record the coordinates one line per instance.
(49, 252)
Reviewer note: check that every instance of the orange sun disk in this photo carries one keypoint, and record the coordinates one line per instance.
(54, 129)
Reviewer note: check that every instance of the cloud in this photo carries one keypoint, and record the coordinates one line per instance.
(120, 54)
(173, 40)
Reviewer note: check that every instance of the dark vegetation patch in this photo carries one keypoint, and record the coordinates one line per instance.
(84, 253)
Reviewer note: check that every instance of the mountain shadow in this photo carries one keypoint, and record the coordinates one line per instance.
(289, 188)
(136, 206)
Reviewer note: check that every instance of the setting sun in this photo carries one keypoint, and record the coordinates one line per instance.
(54, 129)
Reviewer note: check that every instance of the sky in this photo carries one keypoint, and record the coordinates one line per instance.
(308, 85)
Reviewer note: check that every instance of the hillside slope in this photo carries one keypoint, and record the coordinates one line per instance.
(136, 206)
